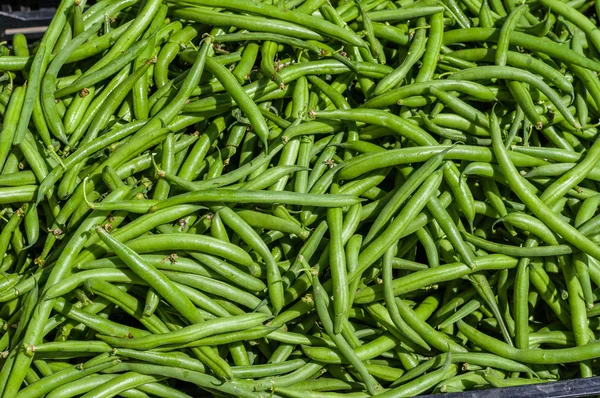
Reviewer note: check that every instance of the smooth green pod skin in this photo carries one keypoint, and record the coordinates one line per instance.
(464, 197)
(98, 44)
(231, 273)
(506, 72)
(241, 98)
(200, 379)
(85, 150)
(168, 53)
(48, 84)
(189, 333)
(509, 25)
(32, 225)
(267, 221)
(534, 356)
(92, 78)
(38, 69)
(271, 176)
(337, 266)
(251, 23)
(391, 305)
(460, 107)
(313, 23)
(76, 110)
(268, 52)
(96, 322)
(10, 122)
(224, 277)
(145, 137)
(116, 97)
(161, 191)
(128, 39)
(23, 193)
(96, 105)
(425, 382)
(416, 51)
(380, 118)
(438, 274)
(345, 349)
(248, 235)
(168, 291)
(411, 184)
(99, 122)
(577, 18)
(534, 203)
(174, 241)
(517, 251)
(247, 196)
(80, 386)
(394, 96)
(221, 102)
(122, 383)
(160, 358)
(151, 303)
(372, 161)
(573, 177)
(375, 249)
(529, 42)
(244, 66)
(47, 384)
(20, 47)
(432, 51)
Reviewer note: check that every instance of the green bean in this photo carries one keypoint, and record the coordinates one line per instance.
(572, 177)
(197, 378)
(509, 73)
(47, 384)
(425, 382)
(507, 27)
(380, 118)
(239, 95)
(243, 196)
(10, 122)
(411, 184)
(274, 283)
(310, 22)
(106, 71)
(391, 234)
(342, 345)
(432, 51)
(49, 81)
(373, 161)
(250, 23)
(518, 60)
(182, 203)
(435, 275)
(535, 356)
(96, 322)
(518, 251)
(529, 42)
(121, 383)
(416, 51)
(38, 69)
(539, 208)
(530, 224)
(189, 333)
(166, 289)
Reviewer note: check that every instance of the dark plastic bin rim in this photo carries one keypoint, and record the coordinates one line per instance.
(41, 14)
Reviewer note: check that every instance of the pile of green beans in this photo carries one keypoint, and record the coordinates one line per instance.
(300, 198)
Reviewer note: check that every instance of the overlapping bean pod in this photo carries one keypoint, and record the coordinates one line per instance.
(300, 198)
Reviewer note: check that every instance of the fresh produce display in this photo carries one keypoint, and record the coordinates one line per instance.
(294, 198)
